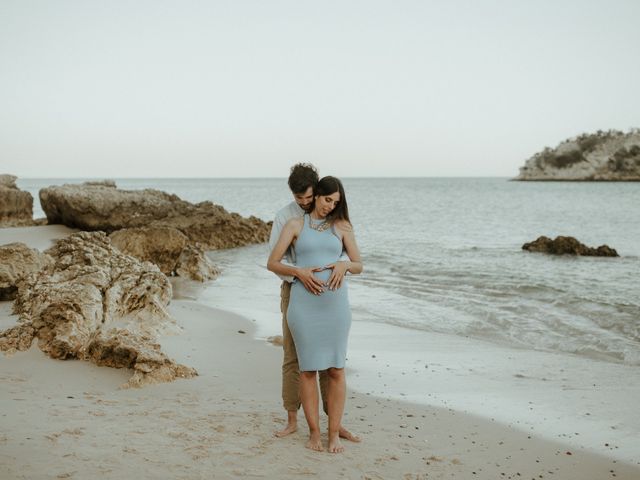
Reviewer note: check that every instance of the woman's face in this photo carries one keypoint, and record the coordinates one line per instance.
(326, 203)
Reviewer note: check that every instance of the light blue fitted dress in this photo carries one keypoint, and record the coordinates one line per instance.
(319, 323)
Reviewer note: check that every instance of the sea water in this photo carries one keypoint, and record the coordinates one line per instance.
(444, 255)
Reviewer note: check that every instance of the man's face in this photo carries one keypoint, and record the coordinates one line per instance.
(304, 199)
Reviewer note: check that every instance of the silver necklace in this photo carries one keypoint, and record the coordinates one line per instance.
(321, 226)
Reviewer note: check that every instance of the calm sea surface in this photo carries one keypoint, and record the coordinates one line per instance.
(444, 254)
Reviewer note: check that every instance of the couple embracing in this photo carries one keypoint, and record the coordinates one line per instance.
(312, 248)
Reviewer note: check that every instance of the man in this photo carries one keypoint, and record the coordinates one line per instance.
(302, 181)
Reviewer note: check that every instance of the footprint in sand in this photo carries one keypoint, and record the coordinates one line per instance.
(76, 432)
(65, 475)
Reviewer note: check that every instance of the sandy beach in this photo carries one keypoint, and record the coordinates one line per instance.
(70, 419)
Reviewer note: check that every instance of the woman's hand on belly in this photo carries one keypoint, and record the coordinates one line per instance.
(312, 283)
(322, 274)
(338, 271)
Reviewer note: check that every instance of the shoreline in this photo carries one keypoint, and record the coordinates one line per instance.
(68, 419)
(583, 402)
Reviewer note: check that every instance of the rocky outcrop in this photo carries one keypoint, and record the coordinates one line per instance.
(567, 245)
(194, 264)
(166, 247)
(602, 156)
(102, 206)
(16, 206)
(16, 262)
(159, 245)
(95, 303)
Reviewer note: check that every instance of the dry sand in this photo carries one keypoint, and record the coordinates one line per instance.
(69, 419)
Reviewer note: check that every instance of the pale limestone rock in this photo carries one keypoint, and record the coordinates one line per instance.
(194, 264)
(17, 260)
(121, 348)
(101, 206)
(18, 338)
(602, 156)
(166, 247)
(159, 245)
(16, 206)
(96, 303)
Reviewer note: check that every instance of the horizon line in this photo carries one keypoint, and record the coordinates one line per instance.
(255, 178)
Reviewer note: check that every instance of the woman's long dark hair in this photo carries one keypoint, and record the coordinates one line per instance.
(328, 186)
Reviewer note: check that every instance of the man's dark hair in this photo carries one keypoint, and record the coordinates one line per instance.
(302, 176)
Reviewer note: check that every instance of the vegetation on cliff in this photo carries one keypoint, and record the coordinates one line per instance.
(603, 155)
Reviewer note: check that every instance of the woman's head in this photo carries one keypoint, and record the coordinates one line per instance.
(329, 199)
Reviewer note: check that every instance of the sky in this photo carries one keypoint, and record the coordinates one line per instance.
(112, 89)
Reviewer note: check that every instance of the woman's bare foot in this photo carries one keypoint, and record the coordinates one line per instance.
(314, 442)
(335, 446)
(288, 430)
(347, 435)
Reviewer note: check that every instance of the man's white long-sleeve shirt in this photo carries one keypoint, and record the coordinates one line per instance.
(285, 214)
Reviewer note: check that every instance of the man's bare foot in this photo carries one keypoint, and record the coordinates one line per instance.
(347, 435)
(292, 424)
(314, 442)
(335, 446)
(288, 430)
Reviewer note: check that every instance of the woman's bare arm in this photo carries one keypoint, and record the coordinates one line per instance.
(290, 232)
(351, 247)
(354, 265)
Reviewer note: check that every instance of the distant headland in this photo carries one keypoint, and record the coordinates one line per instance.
(601, 156)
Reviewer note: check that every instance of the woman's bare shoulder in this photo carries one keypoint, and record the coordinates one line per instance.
(343, 225)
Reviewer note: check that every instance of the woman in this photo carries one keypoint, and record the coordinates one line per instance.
(320, 320)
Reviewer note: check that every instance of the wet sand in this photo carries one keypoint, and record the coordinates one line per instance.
(70, 419)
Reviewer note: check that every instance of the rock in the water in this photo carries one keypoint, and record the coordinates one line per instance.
(96, 303)
(568, 245)
(601, 156)
(16, 262)
(16, 206)
(194, 264)
(101, 206)
(166, 247)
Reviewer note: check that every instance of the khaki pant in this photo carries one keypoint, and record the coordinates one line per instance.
(290, 369)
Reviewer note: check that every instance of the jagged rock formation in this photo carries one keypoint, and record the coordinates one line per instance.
(194, 264)
(16, 206)
(101, 206)
(166, 247)
(16, 262)
(95, 303)
(603, 156)
(567, 245)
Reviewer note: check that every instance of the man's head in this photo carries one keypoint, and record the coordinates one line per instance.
(302, 182)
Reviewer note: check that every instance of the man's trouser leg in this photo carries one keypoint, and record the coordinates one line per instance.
(290, 370)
